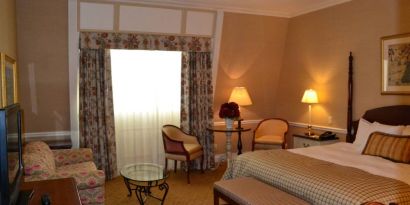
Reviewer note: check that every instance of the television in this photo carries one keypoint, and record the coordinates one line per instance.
(11, 165)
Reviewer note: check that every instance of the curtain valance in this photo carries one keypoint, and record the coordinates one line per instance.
(98, 40)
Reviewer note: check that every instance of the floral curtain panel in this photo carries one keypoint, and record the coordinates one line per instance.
(96, 109)
(197, 101)
(196, 90)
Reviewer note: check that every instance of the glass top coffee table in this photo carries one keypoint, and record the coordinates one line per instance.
(141, 177)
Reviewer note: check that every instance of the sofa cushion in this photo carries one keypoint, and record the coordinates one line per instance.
(72, 156)
(79, 167)
(270, 139)
(85, 174)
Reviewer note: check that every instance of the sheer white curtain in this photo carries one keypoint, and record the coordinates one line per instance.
(147, 95)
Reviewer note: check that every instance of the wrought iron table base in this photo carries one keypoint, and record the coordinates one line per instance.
(144, 191)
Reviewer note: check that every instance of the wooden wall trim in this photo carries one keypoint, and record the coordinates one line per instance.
(294, 124)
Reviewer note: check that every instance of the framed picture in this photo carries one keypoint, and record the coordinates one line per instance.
(8, 80)
(396, 64)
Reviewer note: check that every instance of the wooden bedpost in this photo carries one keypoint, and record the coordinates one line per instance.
(349, 135)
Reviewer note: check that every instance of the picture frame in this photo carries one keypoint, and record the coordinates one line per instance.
(395, 57)
(9, 80)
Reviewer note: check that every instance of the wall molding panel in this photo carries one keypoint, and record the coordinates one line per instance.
(129, 18)
(294, 124)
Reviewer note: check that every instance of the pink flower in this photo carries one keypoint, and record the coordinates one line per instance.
(92, 182)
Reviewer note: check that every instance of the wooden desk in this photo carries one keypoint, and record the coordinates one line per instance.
(61, 191)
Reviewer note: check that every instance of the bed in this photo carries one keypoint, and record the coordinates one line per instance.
(337, 173)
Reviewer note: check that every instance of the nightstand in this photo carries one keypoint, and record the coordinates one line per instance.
(302, 140)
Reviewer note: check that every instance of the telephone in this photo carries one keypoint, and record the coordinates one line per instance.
(327, 135)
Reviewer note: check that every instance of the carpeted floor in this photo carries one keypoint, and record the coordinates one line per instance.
(199, 192)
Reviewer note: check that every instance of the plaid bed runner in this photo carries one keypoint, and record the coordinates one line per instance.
(316, 181)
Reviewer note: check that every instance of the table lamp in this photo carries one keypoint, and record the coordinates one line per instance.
(310, 97)
(241, 96)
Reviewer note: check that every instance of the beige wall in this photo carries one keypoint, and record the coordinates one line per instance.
(275, 58)
(43, 64)
(316, 56)
(251, 55)
(8, 28)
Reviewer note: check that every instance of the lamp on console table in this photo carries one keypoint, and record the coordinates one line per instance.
(310, 97)
(241, 96)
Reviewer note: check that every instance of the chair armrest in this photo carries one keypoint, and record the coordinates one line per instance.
(85, 179)
(174, 146)
(39, 177)
(72, 156)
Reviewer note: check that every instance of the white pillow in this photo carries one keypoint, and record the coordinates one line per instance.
(363, 132)
(406, 130)
(389, 129)
(366, 128)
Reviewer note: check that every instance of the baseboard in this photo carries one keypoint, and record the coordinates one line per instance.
(56, 140)
(48, 135)
(319, 127)
(220, 158)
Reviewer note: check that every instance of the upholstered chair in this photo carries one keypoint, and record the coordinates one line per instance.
(180, 146)
(42, 163)
(270, 132)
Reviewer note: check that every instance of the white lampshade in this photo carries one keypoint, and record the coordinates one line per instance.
(310, 96)
(241, 96)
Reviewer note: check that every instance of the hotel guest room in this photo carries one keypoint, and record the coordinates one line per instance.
(140, 97)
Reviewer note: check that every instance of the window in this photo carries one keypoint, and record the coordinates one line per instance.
(146, 92)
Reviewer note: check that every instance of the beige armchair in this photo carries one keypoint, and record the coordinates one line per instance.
(180, 146)
(270, 132)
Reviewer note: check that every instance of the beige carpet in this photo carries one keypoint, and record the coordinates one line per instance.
(199, 192)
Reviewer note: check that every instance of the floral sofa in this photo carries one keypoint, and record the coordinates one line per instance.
(41, 163)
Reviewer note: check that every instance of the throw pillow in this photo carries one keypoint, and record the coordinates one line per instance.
(393, 147)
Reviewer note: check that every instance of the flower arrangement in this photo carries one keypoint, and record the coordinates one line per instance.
(229, 110)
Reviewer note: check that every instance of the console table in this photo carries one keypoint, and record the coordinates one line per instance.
(61, 191)
(228, 133)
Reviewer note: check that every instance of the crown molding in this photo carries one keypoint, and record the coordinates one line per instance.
(233, 9)
(319, 7)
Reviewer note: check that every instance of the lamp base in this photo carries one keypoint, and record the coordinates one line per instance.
(239, 124)
(310, 132)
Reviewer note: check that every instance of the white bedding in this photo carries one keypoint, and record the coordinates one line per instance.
(345, 154)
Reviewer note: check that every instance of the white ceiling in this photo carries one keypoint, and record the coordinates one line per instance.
(281, 8)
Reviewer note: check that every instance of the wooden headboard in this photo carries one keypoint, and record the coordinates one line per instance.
(389, 115)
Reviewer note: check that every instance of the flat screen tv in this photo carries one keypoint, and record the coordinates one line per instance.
(11, 166)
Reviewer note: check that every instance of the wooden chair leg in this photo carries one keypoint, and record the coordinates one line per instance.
(216, 197)
(253, 146)
(188, 163)
(202, 164)
(166, 164)
(175, 166)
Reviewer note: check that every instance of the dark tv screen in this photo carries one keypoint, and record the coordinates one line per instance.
(12, 147)
(11, 168)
